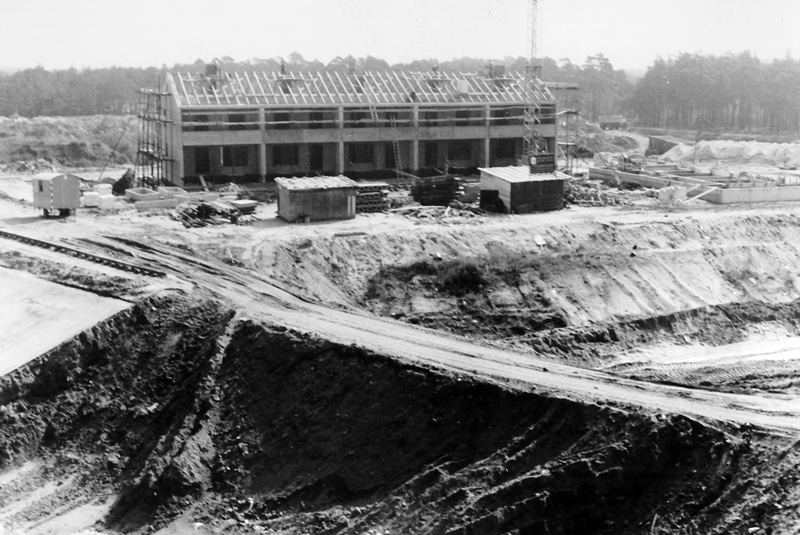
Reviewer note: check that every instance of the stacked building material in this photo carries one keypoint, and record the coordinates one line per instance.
(435, 191)
(372, 197)
(201, 214)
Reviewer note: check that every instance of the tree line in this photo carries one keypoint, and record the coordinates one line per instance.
(732, 92)
(39, 92)
(729, 92)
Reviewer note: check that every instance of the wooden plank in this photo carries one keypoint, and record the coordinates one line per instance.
(342, 85)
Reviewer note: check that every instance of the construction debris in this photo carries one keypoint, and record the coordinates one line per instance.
(210, 213)
(28, 166)
(593, 193)
(441, 214)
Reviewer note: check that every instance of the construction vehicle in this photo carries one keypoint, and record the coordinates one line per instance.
(631, 163)
(612, 122)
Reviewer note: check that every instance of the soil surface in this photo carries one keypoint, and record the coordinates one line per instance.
(595, 370)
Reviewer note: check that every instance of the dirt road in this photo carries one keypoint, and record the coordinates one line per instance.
(263, 301)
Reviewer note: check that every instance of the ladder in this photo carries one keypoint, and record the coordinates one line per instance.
(373, 111)
(398, 164)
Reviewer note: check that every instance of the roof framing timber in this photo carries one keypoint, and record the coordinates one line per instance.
(259, 89)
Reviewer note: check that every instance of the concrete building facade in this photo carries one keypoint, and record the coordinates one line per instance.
(255, 126)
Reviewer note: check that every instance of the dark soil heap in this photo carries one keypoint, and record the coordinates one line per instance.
(187, 410)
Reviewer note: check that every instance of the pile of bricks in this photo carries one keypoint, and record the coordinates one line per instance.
(372, 197)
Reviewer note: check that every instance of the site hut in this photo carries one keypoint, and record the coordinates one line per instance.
(316, 198)
(255, 126)
(56, 191)
(522, 192)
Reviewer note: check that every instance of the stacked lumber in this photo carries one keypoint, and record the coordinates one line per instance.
(441, 214)
(201, 214)
(435, 191)
(372, 197)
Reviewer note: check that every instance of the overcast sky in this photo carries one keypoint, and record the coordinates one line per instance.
(632, 33)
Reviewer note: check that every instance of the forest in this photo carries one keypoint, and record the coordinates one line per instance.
(691, 91)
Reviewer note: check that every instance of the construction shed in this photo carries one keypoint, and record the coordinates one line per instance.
(316, 198)
(521, 192)
(56, 191)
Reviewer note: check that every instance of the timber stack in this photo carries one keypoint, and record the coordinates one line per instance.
(435, 191)
(372, 197)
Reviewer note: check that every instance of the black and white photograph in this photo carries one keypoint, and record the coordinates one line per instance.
(419, 267)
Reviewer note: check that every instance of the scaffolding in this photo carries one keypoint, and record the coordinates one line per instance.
(155, 140)
(533, 142)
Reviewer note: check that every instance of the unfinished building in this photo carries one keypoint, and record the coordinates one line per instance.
(254, 126)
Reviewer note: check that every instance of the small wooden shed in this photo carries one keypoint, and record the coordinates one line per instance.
(521, 192)
(56, 191)
(316, 198)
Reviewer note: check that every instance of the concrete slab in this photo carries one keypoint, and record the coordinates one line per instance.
(155, 205)
(90, 199)
(169, 192)
(753, 195)
(197, 197)
(37, 316)
(142, 194)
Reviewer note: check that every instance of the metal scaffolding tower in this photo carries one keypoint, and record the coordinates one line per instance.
(533, 142)
(155, 139)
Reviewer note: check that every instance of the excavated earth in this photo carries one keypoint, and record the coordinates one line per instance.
(185, 414)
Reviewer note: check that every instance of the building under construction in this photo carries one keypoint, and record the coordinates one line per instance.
(251, 126)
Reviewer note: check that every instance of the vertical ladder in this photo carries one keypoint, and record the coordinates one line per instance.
(398, 164)
(373, 111)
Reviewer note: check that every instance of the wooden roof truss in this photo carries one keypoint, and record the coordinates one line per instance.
(254, 89)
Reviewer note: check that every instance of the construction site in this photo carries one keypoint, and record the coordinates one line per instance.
(400, 303)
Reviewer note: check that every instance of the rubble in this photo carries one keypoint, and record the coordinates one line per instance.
(585, 192)
(201, 214)
(441, 214)
(28, 166)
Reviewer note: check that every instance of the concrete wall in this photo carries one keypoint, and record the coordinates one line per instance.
(751, 195)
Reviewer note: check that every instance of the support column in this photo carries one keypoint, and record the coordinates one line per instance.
(487, 158)
(178, 171)
(262, 149)
(340, 144)
(215, 165)
(415, 142)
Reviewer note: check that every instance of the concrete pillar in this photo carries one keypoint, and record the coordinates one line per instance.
(304, 156)
(380, 155)
(215, 164)
(262, 161)
(262, 149)
(176, 135)
(415, 142)
(340, 145)
(487, 158)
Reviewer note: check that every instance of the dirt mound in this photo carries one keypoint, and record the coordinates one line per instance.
(238, 426)
(738, 152)
(68, 141)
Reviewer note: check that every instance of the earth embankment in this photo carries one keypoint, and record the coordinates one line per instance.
(180, 407)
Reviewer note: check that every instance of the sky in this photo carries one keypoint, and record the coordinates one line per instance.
(59, 34)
